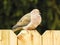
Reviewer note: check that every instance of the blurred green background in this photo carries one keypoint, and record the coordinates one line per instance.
(12, 10)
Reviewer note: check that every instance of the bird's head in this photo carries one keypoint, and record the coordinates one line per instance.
(35, 12)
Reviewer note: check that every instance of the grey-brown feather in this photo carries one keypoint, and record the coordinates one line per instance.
(24, 21)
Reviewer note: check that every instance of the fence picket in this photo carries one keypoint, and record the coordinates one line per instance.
(29, 37)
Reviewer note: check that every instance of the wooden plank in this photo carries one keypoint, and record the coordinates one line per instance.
(0, 43)
(12, 38)
(47, 38)
(56, 37)
(5, 36)
(36, 37)
(0, 37)
(8, 38)
(24, 38)
(29, 37)
(20, 42)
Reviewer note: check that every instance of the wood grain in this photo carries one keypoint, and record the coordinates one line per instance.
(47, 38)
(8, 38)
(30, 37)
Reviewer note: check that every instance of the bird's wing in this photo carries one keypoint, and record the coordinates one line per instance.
(25, 20)
(35, 19)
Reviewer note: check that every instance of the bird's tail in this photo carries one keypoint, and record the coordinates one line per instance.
(17, 29)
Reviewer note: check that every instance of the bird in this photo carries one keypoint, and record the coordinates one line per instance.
(29, 21)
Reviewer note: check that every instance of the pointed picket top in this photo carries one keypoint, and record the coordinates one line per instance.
(47, 38)
(8, 37)
(29, 37)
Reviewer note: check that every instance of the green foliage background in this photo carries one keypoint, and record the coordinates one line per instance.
(12, 10)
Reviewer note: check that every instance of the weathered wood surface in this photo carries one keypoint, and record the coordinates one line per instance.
(30, 37)
(7, 37)
(47, 38)
(0, 38)
(56, 37)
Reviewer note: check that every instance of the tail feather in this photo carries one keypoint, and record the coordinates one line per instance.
(17, 29)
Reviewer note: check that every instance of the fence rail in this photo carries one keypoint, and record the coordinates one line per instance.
(30, 37)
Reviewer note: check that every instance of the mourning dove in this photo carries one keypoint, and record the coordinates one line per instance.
(29, 21)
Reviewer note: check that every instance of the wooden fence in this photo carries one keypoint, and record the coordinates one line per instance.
(29, 37)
